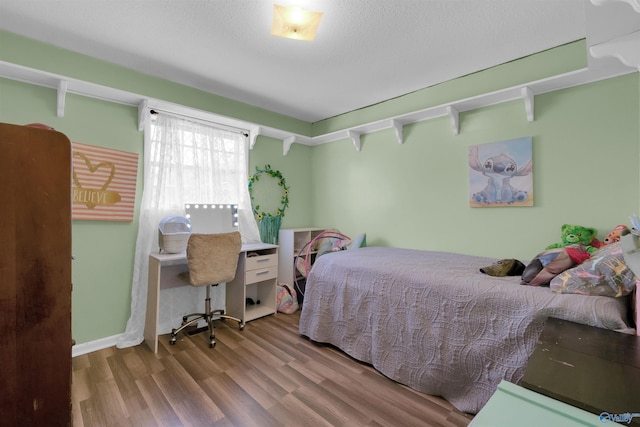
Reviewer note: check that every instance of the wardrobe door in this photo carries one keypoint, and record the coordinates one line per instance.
(35, 276)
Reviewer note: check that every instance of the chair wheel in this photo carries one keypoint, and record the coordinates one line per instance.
(212, 344)
(241, 326)
(172, 341)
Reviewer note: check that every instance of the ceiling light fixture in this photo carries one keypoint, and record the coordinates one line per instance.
(294, 22)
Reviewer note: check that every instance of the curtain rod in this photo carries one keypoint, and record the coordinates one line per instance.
(243, 132)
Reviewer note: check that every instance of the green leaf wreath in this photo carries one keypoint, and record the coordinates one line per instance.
(269, 222)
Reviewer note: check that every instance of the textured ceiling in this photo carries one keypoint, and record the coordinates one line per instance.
(365, 51)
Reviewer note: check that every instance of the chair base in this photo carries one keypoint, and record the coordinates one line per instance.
(209, 316)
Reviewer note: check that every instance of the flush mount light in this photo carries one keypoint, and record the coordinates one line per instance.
(295, 22)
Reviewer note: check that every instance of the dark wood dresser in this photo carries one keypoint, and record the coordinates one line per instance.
(590, 368)
(35, 277)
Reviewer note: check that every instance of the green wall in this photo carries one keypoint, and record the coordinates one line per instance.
(295, 168)
(29, 53)
(586, 152)
(104, 251)
(552, 62)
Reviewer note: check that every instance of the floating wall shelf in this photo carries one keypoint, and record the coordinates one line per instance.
(526, 92)
(452, 110)
(626, 48)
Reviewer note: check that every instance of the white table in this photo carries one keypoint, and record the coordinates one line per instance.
(256, 278)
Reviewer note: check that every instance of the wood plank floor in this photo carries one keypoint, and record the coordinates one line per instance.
(266, 375)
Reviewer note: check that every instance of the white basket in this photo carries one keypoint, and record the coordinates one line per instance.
(173, 234)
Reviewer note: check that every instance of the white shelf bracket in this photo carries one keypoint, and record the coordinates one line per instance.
(355, 137)
(635, 4)
(62, 93)
(626, 48)
(455, 119)
(528, 96)
(143, 109)
(286, 144)
(395, 124)
(253, 136)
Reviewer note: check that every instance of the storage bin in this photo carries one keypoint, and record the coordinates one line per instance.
(173, 234)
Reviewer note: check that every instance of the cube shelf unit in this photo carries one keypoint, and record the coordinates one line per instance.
(291, 241)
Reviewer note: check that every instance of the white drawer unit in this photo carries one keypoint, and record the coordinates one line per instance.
(262, 264)
(252, 293)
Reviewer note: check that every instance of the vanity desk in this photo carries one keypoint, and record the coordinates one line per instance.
(250, 295)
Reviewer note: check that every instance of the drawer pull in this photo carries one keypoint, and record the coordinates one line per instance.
(261, 272)
(262, 259)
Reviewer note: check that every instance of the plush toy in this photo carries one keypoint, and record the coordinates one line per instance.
(548, 264)
(504, 267)
(614, 235)
(574, 234)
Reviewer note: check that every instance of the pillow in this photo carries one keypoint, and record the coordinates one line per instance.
(546, 265)
(331, 241)
(605, 274)
(360, 241)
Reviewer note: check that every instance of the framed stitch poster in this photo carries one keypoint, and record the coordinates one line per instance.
(104, 183)
(501, 173)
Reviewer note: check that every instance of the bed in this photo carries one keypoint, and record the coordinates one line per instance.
(432, 321)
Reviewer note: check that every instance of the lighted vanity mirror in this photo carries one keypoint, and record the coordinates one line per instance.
(212, 218)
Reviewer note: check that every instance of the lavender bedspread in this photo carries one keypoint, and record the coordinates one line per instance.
(432, 321)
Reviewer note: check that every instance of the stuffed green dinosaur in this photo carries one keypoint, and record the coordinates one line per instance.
(575, 234)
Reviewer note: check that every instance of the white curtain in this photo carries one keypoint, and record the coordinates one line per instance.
(185, 162)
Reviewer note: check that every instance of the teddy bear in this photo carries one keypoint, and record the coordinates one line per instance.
(614, 235)
(575, 234)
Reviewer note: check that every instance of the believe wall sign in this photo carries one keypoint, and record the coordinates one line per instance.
(104, 183)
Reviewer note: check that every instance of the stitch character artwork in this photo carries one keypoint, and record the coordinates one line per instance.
(494, 172)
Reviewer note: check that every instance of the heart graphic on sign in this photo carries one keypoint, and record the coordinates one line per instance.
(103, 195)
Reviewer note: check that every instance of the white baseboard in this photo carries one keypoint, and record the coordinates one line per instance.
(91, 346)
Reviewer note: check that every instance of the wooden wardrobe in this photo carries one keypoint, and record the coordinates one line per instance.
(35, 277)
